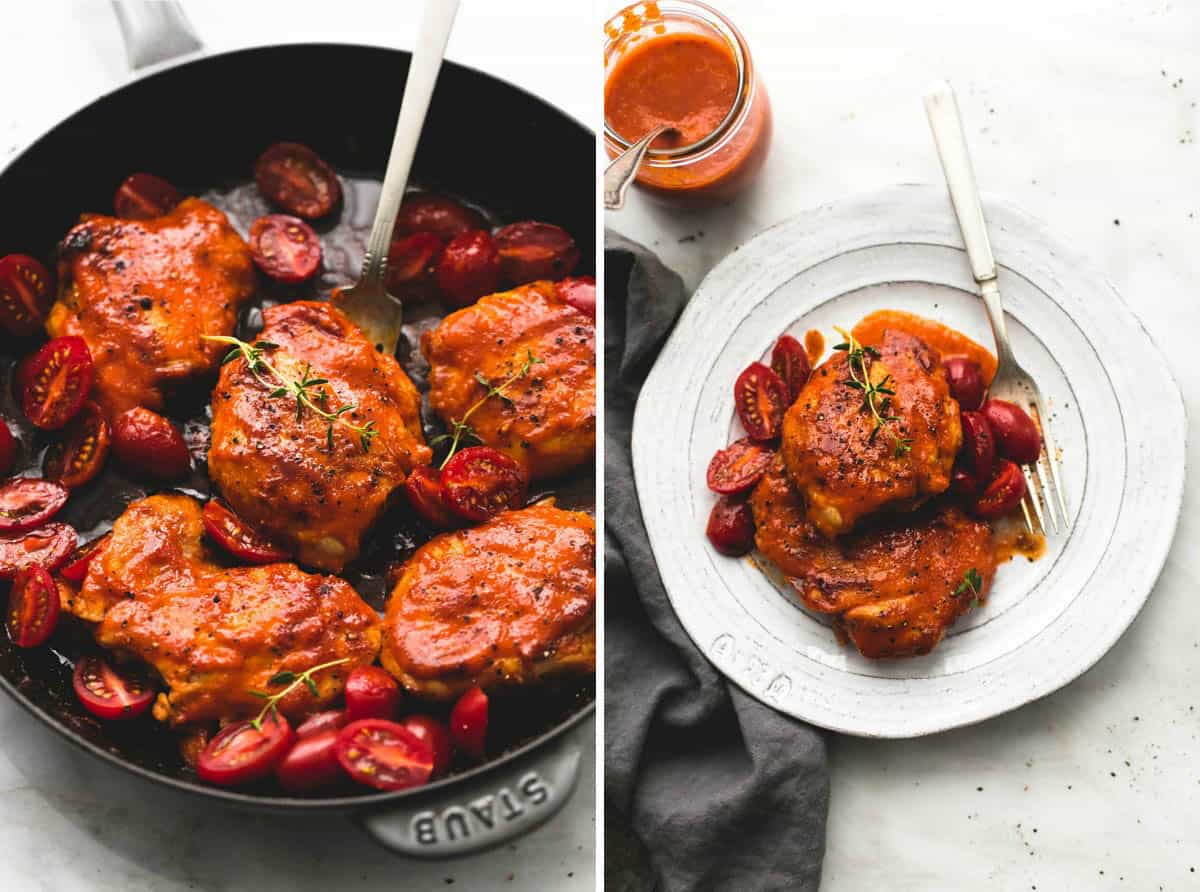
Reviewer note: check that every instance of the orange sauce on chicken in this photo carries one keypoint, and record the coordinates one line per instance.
(942, 338)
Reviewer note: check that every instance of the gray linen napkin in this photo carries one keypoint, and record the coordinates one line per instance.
(705, 787)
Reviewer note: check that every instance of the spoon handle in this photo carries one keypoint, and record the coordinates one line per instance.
(436, 21)
(621, 172)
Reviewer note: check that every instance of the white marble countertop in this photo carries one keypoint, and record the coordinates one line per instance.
(68, 822)
(1082, 112)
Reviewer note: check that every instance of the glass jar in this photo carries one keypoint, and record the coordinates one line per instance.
(710, 168)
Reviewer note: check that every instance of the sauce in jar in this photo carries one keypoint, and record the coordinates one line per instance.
(681, 64)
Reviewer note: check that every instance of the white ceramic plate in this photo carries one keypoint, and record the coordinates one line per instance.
(1115, 411)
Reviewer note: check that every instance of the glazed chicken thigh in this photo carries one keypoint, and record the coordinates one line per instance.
(842, 466)
(310, 487)
(142, 293)
(894, 585)
(507, 602)
(217, 634)
(546, 419)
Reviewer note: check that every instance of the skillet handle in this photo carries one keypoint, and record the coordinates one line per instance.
(154, 31)
(484, 811)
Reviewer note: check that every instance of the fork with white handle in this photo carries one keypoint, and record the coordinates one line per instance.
(1012, 383)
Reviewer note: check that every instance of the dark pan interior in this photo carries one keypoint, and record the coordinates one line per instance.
(201, 125)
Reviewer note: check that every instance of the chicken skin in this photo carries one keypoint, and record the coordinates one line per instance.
(507, 602)
(142, 292)
(313, 488)
(841, 465)
(546, 418)
(894, 585)
(217, 634)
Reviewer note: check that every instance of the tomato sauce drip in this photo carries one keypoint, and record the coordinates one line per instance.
(942, 338)
(1012, 539)
(686, 81)
(814, 345)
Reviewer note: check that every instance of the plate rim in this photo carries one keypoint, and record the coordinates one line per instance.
(999, 211)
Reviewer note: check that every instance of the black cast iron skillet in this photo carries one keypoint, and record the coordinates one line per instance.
(201, 124)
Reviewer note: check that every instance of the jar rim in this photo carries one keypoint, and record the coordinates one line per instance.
(692, 10)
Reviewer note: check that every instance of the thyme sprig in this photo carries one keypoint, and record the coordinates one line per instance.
(292, 680)
(877, 395)
(971, 582)
(460, 428)
(310, 392)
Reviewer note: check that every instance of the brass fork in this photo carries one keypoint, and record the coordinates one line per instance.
(1045, 498)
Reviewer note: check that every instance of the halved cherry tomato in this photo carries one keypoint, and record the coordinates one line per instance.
(761, 400)
(57, 382)
(297, 179)
(789, 360)
(236, 537)
(469, 268)
(384, 755)
(112, 693)
(530, 251)
(311, 763)
(76, 566)
(25, 294)
(83, 451)
(469, 723)
(427, 496)
(480, 482)
(966, 382)
(8, 448)
(1017, 437)
(731, 527)
(329, 720)
(371, 693)
(433, 733)
(444, 217)
(738, 466)
(241, 752)
(33, 606)
(143, 196)
(26, 503)
(579, 292)
(978, 452)
(1004, 493)
(148, 445)
(285, 248)
(412, 262)
(48, 547)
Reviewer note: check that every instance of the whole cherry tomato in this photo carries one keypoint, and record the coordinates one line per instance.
(433, 733)
(444, 217)
(243, 751)
(469, 723)
(371, 693)
(329, 720)
(412, 265)
(469, 268)
(966, 382)
(731, 527)
(480, 482)
(297, 179)
(143, 196)
(427, 496)
(311, 763)
(56, 382)
(978, 448)
(579, 292)
(1017, 437)
(25, 294)
(760, 397)
(33, 606)
(8, 448)
(285, 248)
(530, 251)
(148, 445)
(738, 466)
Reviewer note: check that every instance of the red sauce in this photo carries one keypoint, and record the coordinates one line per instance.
(942, 338)
(814, 345)
(686, 81)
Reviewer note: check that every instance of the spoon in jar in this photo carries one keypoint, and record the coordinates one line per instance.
(622, 170)
(367, 303)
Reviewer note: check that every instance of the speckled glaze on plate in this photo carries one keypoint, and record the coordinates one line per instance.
(1116, 413)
